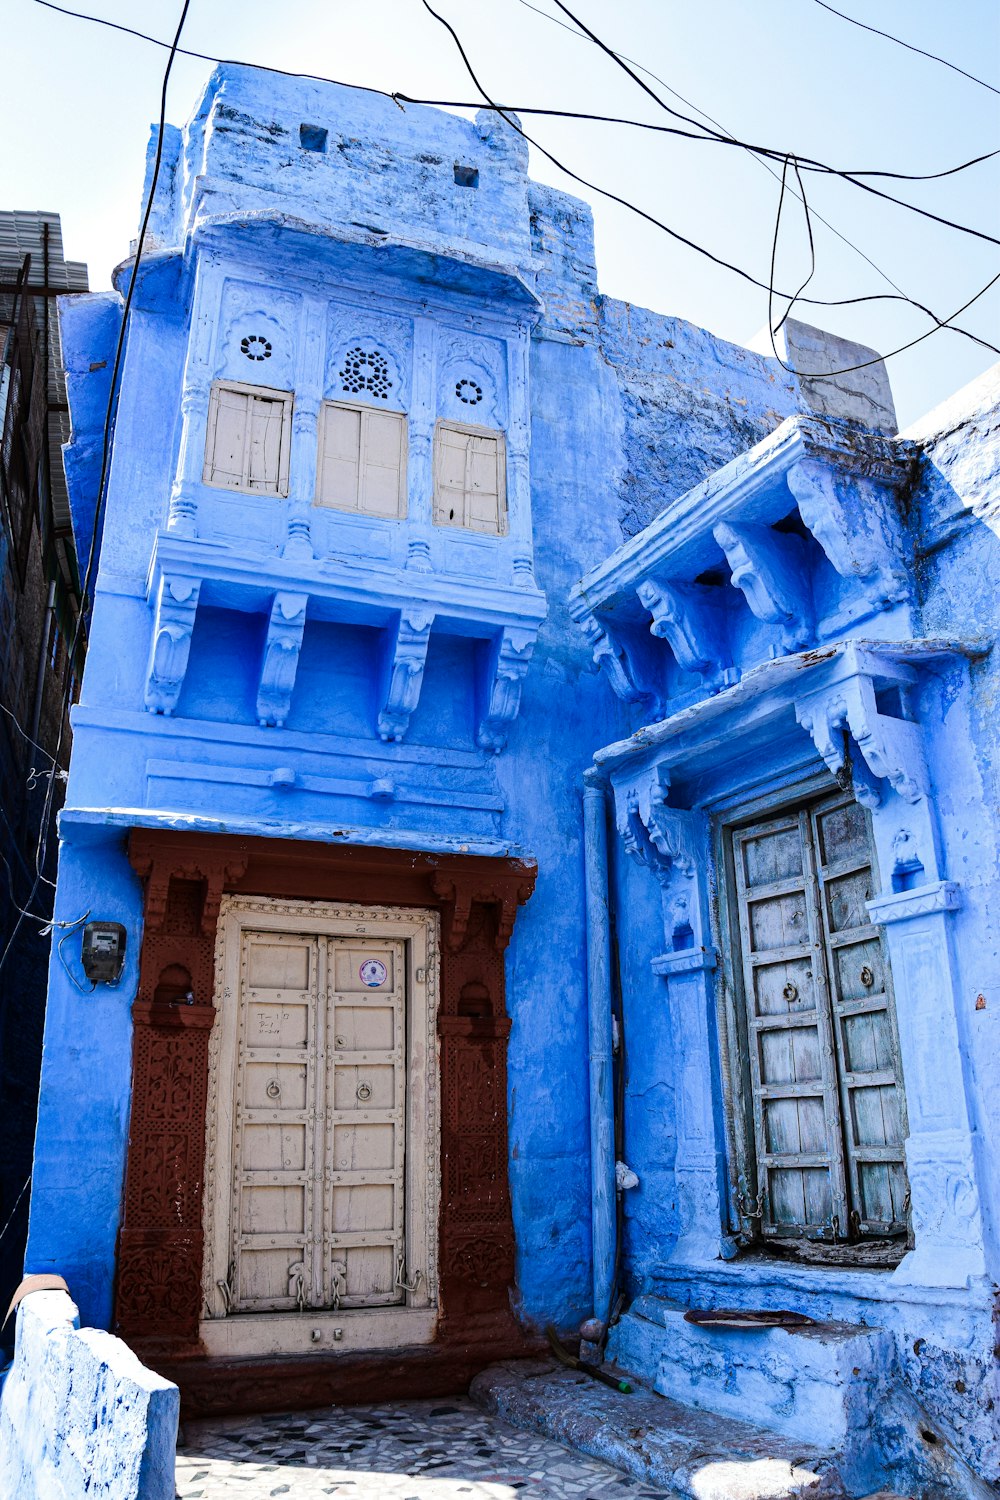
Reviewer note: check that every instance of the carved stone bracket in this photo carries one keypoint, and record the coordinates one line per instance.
(666, 841)
(404, 673)
(505, 891)
(691, 621)
(281, 657)
(173, 624)
(506, 670)
(861, 539)
(771, 568)
(892, 748)
(613, 659)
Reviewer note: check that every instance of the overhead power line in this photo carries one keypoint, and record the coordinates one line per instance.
(515, 125)
(43, 833)
(767, 167)
(719, 137)
(701, 133)
(909, 46)
(808, 162)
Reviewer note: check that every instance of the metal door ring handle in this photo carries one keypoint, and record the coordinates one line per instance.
(364, 1092)
(790, 992)
(273, 1090)
(867, 977)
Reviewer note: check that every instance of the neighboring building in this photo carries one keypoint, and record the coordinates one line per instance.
(342, 1124)
(39, 594)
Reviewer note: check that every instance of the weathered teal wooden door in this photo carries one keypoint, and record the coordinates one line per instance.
(825, 1098)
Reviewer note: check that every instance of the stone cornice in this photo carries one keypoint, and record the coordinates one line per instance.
(740, 488)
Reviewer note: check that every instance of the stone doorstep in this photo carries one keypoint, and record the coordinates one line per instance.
(685, 1452)
(813, 1384)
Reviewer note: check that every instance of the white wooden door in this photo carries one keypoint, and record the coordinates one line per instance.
(319, 1124)
(366, 1121)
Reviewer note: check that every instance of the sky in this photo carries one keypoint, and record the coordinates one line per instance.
(78, 99)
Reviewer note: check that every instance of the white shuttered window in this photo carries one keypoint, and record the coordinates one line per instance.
(362, 460)
(248, 439)
(470, 478)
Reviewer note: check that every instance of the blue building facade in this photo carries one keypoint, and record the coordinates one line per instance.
(349, 1099)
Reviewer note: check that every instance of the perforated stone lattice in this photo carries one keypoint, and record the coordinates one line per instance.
(469, 392)
(255, 347)
(366, 370)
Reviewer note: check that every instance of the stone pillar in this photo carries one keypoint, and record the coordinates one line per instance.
(689, 975)
(944, 1198)
(420, 461)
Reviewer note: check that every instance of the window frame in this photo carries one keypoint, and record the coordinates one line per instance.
(472, 430)
(851, 1246)
(366, 411)
(252, 392)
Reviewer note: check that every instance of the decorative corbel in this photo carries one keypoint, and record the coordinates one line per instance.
(173, 623)
(507, 665)
(665, 840)
(772, 570)
(892, 748)
(690, 621)
(404, 672)
(281, 657)
(505, 890)
(849, 519)
(611, 656)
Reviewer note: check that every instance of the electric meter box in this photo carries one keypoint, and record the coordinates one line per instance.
(103, 955)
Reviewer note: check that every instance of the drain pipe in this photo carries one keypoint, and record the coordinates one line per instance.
(602, 1129)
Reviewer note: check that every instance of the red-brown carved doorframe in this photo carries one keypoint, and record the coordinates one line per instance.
(161, 1244)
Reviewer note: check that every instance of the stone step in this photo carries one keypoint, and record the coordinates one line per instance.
(815, 1384)
(682, 1451)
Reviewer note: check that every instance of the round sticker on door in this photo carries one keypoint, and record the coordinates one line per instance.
(373, 972)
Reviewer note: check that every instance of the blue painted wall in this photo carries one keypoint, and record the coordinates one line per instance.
(608, 411)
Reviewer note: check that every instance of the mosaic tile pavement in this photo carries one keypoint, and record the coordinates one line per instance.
(407, 1450)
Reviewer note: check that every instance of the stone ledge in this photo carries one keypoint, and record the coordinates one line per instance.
(80, 1415)
(690, 1453)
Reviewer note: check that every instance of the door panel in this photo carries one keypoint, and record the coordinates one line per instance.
(790, 1046)
(871, 1085)
(318, 1200)
(366, 1089)
(822, 1058)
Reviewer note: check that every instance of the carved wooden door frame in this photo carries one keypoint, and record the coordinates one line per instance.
(159, 1297)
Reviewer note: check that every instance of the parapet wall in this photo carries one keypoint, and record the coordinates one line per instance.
(80, 1416)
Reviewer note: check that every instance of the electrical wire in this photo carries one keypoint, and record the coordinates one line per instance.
(42, 845)
(17, 1204)
(701, 133)
(766, 165)
(909, 46)
(24, 733)
(809, 163)
(515, 125)
(759, 152)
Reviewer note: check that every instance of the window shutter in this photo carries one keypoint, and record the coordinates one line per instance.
(227, 437)
(362, 461)
(483, 509)
(340, 457)
(383, 474)
(247, 443)
(266, 421)
(449, 488)
(469, 488)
